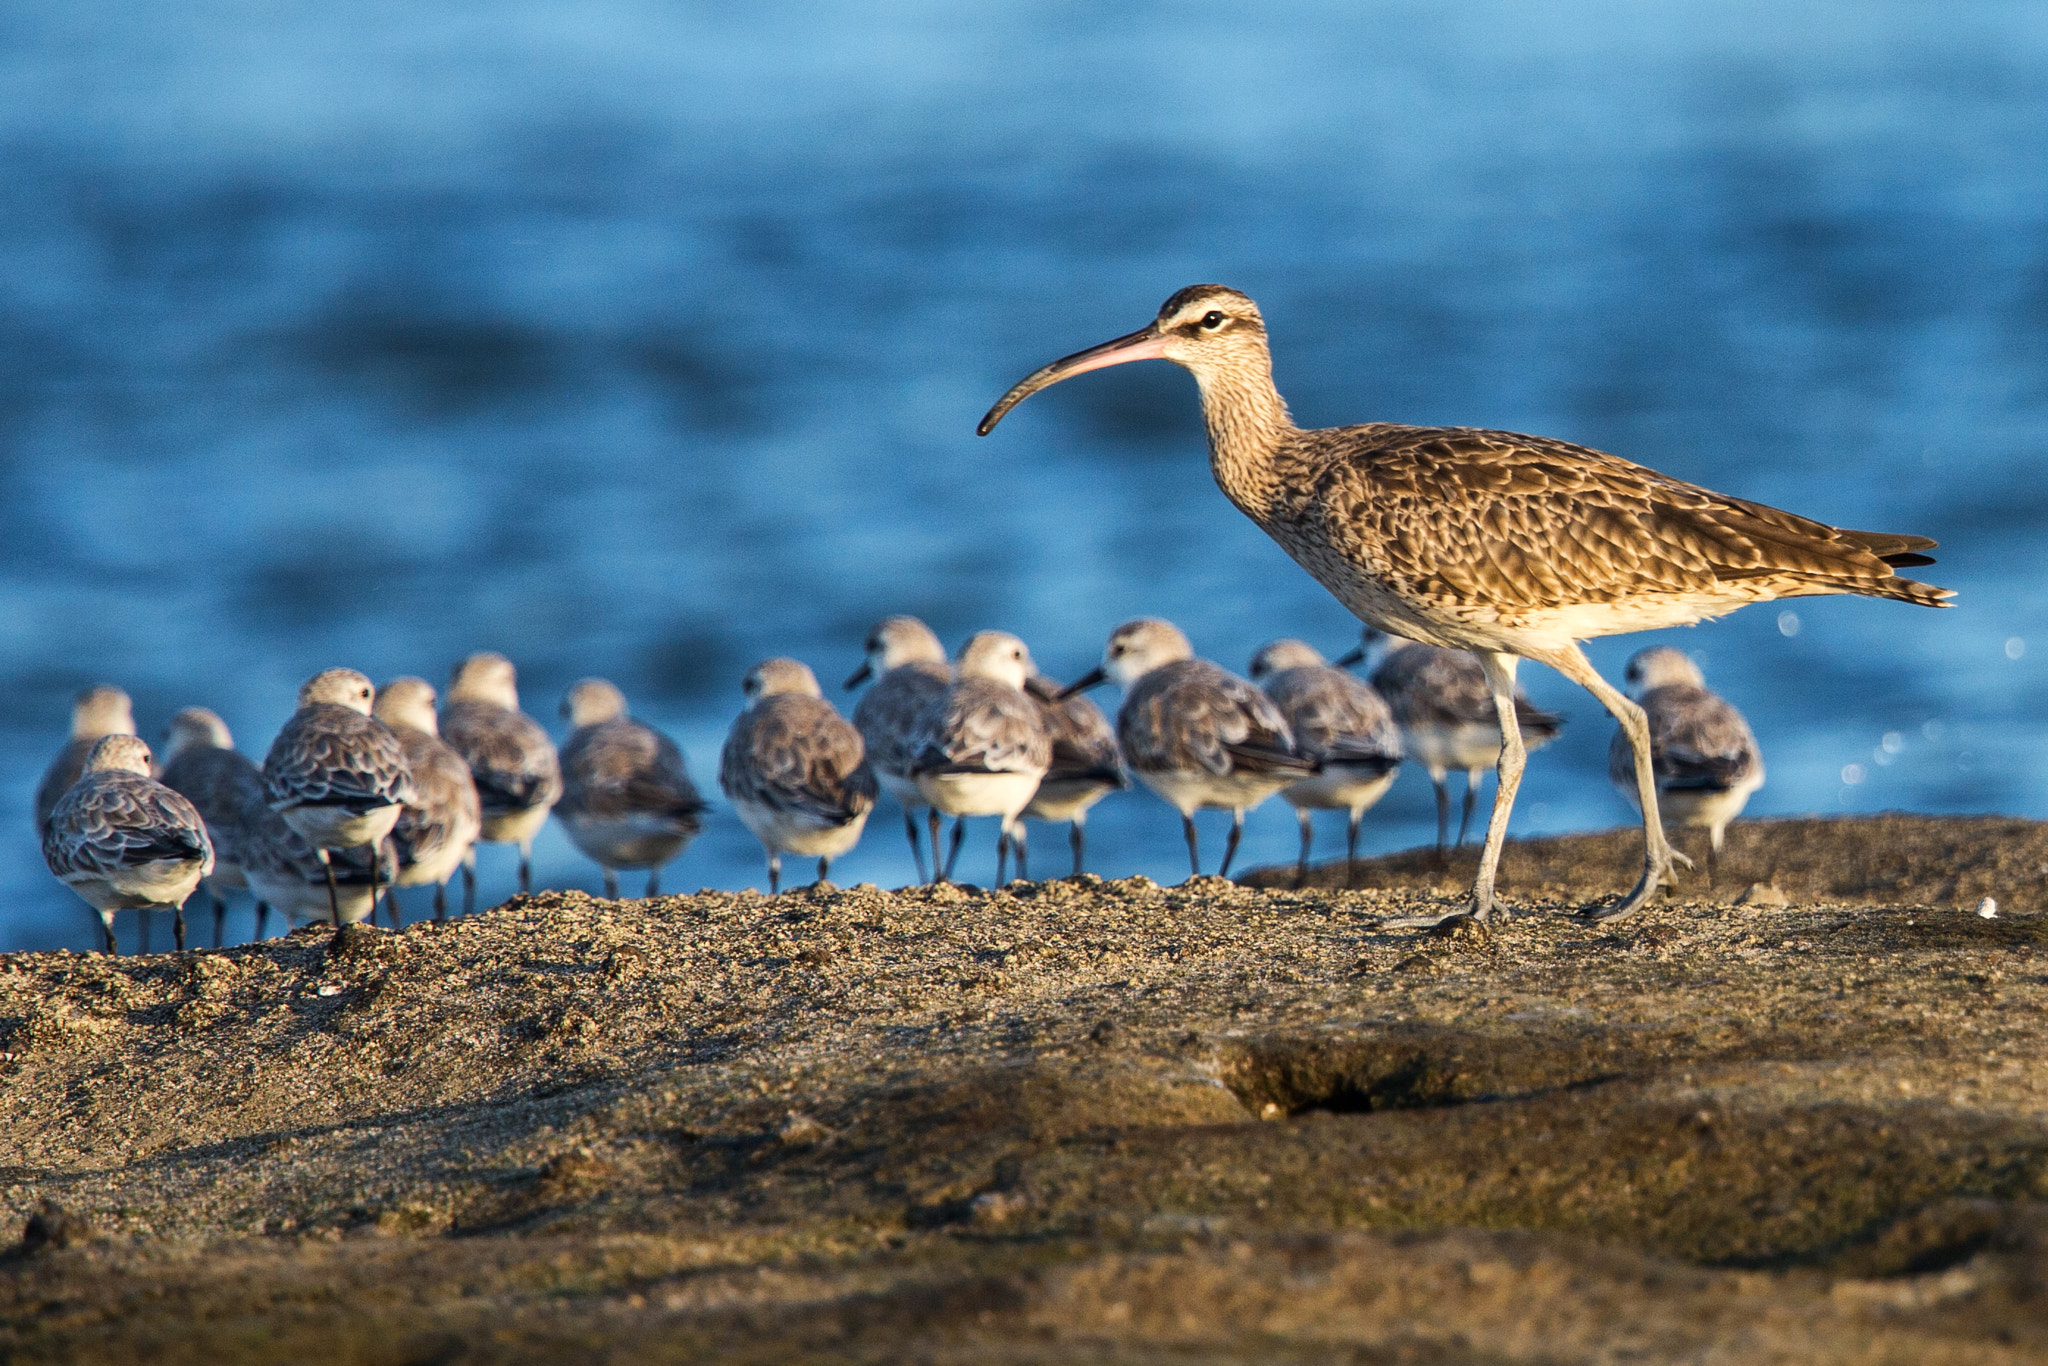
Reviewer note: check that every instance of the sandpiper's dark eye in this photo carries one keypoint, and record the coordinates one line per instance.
(1212, 320)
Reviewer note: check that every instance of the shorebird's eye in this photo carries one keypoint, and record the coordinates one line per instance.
(1212, 320)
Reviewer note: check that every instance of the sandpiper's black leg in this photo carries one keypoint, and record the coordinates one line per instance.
(107, 924)
(262, 918)
(932, 820)
(653, 883)
(1018, 842)
(1307, 835)
(1443, 819)
(774, 873)
(376, 867)
(953, 849)
(178, 926)
(1077, 841)
(1002, 854)
(469, 883)
(220, 917)
(611, 885)
(1187, 826)
(1230, 848)
(824, 868)
(333, 894)
(440, 902)
(1351, 849)
(525, 866)
(1472, 781)
(916, 849)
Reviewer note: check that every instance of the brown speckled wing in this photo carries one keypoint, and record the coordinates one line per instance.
(1698, 742)
(888, 713)
(1191, 716)
(795, 753)
(1334, 717)
(332, 756)
(222, 785)
(445, 808)
(510, 758)
(115, 820)
(625, 767)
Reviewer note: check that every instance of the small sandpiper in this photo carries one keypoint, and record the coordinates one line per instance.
(201, 764)
(439, 826)
(123, 841)
(1703, 753)
(981, 748)
(96, 712)
(1192, 731)
(1086, 764)
(627, 799)
(510, 757)
(337, 774)
(909, 669)
(795, 769)
(1344, 726)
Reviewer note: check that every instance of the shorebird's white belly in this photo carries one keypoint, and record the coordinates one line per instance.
(1188, 792)
(979, 794)
(304, 902)
(1336, 790)
(1065, 801)
(642, 840)
(161, 882)
(514, 827)
(433, 870)
(335, 827)
(793, 834)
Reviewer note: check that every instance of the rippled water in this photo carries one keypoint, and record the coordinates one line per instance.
(648, 340)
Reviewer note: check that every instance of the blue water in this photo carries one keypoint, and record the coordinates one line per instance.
(648, 340)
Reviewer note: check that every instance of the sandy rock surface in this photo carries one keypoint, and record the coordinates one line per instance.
(1070, 1121)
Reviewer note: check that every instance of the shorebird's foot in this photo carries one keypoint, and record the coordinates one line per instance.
(1655, 875)
(1474, 916)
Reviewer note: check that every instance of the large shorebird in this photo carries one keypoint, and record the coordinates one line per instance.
(1517, 547)
(1192, 731)
(511, 758)
(1344, 726)
(96, 712)
(201, 764)
(1706, 759)
(795, 769)
(439, 827)
(1086, 763)
(627, 799)
(1442, 702)
(909, 669)
(982, 749)
(125, 842)
(337, 774)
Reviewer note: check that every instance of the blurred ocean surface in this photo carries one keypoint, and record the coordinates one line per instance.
(648, 340)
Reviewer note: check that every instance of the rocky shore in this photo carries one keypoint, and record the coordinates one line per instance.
(1068, 1121)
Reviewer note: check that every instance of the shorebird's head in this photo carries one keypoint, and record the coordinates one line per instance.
(1207, 329)
(195, 728)
(486, 676)
(122, 753)
(893, 642)
(104, 710)
(774, 676)
(1135, 649)
(338, 688)
(1284, 654)
(1660, 666)
(996, 655)
(407, 701)
(592, 702)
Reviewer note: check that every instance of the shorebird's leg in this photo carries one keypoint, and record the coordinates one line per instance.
(916, 850)
(932, 824)
(653, 884)
(469, 881)
(525, 866)
(1187, 824)
(1658, 855)
(1002, 854)
(376, 867)
(107, 924)
(1230, 845)
(220, 916)
(1307, 835)
(178, 926)
(774, 872)
(611, 885)
(1514, 755)
(1019, 842)
(1713, 856)
(1443, 815)
(333, 896)
(262, 917)
(1077, 840)
(953, 849)
(1351, 847)
(440, 902)
(1473, 777)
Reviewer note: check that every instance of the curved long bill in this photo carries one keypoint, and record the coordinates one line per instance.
(1094, 678)
(859, 676)
(1144, 344)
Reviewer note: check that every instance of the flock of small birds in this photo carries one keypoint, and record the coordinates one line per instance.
(367, 790)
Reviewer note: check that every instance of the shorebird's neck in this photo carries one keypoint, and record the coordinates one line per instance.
(1248, 431)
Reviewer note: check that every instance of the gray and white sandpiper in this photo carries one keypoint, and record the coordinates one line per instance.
(439, 827)
(337, 774)
(981, 748)
(510, 757)
(909, 669)
(201, 764)
(1442, 702)
(125, 842)
(1195, 733)
(1706, 760)
(1086, 763)
(627, 799)
(795, 769)
(290, 875)
(1341, 724)
(1517, 547)
(96, 712)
